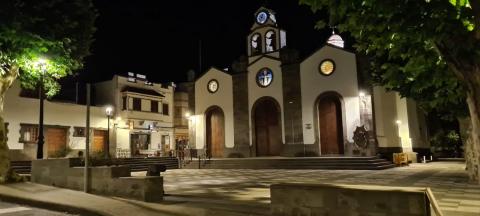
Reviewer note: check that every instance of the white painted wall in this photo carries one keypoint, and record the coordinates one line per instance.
(274, 90)
(418, 129)
(19, 110)
(385, 118)
(343, 81)
(223, 98)
(123, 138)
(410, 130)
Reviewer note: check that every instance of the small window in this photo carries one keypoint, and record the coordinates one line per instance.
(165, 109)
(28, 133)
(78, 131)
(124, 103)
(154, 106)
(137, 104)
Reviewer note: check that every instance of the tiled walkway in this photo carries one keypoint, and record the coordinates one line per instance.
(448, 181)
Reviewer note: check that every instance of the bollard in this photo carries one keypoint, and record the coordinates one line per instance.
(424, 159)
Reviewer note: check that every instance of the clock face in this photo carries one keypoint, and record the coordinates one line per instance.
(327, 67)
(212, 86)
(262, 17)
(264, 77)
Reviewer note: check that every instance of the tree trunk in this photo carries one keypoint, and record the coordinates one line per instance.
(6, 174)
(473, 143)
(469, 152)
(469, 73)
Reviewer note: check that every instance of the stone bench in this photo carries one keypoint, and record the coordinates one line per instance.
(329, 199)
(104, 180)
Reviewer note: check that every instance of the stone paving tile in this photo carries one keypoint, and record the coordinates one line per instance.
(447, 180)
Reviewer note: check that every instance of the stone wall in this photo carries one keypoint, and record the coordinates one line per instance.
(329, 199)
(112, 181)
(293, 110)
(241, 117)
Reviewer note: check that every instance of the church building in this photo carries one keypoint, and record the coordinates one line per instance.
(274, 104)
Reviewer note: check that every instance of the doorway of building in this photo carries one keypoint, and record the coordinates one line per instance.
(268, 132)
(99, 141)
(215, 122)
(138, 143)
(330, 125)
(56, 139)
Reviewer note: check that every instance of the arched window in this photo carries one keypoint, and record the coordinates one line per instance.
(256, 44)
(270, 41)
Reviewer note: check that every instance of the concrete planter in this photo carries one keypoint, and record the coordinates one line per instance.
(104, 180)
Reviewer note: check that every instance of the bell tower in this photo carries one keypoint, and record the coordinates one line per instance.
(265, 37)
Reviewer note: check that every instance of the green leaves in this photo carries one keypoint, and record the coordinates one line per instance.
(401, 39)
(62, 35)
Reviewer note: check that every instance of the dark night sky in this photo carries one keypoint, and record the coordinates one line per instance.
(160, 38)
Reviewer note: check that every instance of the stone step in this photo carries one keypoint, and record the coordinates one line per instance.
(352, 163)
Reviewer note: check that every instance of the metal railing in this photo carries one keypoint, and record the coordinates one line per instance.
(202, 157)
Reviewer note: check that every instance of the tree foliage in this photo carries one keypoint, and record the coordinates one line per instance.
(428, 50)
(404, 40)
(57, 30)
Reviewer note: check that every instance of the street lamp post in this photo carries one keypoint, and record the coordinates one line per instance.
(109, 112)
(41, 140)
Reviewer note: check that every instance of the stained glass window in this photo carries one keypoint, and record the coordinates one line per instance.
(264, 77)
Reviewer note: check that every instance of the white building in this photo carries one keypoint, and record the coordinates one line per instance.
(141, 123)
(64, 126)
(273, 104)
(143, 115)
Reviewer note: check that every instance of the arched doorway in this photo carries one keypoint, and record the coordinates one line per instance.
(330, 124)
(268, 132)
(215, 125)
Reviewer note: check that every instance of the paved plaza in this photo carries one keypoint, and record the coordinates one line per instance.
(9, 209)
(448, 181)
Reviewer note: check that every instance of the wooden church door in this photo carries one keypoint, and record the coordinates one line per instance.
(268, 133)
(215, 132)
(330, 121)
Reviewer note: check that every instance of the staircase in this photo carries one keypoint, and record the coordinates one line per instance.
(338, 163)
(141, 164)
(21, 167)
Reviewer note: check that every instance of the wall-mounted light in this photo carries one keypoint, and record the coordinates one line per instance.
(187, 114)
(361, 94)
(398, 122)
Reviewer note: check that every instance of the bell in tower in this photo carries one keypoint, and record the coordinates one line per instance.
(265, 37)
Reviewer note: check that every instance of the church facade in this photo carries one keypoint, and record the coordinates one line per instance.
(273, 104)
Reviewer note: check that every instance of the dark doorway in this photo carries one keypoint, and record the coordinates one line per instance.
(330, 124)
(139, 142)
(268, 132)
(215, 132)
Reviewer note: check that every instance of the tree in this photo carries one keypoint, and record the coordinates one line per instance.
(57, 30)
(428, 50)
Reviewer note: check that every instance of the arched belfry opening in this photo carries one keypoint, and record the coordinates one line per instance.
(266, 37)
(215, 132)
(270, 41)
(330, 124)
(267, 127)
(256, 44)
